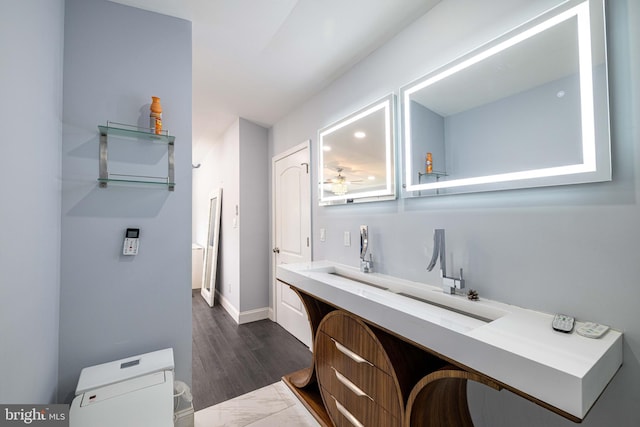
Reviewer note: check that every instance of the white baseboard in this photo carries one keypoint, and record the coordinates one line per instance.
(246, 316)
(233, 312)
(253, 315)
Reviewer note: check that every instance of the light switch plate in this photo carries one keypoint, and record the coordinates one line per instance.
(323, 234)
(347, 238)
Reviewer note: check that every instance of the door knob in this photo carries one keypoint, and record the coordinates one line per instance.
(276, 250)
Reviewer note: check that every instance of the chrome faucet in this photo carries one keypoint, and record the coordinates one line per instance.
(366, 265)
(449, 284)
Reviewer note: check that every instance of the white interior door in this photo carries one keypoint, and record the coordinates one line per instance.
(292, 233)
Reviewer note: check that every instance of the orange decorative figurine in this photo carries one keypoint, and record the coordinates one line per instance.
(156, 115)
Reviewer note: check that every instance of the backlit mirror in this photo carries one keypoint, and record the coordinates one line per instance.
(528, 109)
(356, 156)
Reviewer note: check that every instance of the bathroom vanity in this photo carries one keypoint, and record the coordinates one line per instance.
(393, 352)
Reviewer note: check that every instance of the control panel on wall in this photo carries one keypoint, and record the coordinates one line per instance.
(131, 241)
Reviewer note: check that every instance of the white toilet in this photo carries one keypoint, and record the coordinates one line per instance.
(132, 392)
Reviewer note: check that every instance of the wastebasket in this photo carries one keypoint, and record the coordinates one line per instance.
(182, 405)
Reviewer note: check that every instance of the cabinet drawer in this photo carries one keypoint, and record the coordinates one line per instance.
(356, 336)
(333, 367)
(344, 412)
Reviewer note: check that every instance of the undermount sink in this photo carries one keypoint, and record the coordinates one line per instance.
(424, 293)
(466, 313)
(344, 276)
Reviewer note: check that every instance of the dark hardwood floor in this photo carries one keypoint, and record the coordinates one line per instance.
(230, 360)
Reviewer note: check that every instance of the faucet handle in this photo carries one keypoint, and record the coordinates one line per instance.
(366, 265)
(450, 284)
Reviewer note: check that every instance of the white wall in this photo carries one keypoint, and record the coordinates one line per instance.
(571, 249)
(31, 45)
(207, 178)
(113, 306)
(229, 251)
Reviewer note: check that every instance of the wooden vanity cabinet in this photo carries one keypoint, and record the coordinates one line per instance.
(365, 376)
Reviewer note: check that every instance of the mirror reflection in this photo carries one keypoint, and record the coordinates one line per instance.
(529, 109)
(356, 156)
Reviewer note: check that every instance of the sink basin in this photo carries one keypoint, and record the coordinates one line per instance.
(466, 313)
(418, 292)
(344, 276)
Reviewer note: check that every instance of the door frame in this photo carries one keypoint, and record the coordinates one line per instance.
(303, 145)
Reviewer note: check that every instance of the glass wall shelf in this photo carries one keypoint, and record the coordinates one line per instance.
(134, 132)
(427, 177)
(130, 131)
(434, 174)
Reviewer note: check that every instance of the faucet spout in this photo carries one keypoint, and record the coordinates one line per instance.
(438, 250)
(366, 265)
(449, 284)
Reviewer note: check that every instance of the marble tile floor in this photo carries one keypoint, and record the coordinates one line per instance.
(270, 406)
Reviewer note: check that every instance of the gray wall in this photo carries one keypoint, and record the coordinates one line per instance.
(570, 249)
(112, 306)
(254, 217)
(31, 45)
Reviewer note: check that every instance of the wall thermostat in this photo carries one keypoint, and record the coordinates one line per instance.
(131, 241)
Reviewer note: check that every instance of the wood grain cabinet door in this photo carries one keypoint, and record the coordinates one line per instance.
(355, 375)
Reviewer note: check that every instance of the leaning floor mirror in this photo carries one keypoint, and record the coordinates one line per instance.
(356, 156)
(528, 109)
(211, 250)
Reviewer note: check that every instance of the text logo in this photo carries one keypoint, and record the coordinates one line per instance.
(34, 415)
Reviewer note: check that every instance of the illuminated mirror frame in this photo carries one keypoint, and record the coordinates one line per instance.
(387, 104)
(596, 157)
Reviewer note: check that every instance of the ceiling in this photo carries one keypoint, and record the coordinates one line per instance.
(258, 59)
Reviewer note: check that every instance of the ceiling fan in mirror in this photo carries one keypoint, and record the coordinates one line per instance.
(339, 185)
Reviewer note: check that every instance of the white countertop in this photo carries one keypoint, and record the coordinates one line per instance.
(513, 345)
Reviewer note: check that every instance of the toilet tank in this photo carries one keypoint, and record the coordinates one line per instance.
(132, 392)
(124, 369)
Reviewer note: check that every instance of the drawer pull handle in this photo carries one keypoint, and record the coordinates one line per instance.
(348, 415)
(344, 350)
(348, 384)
